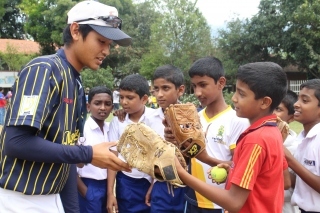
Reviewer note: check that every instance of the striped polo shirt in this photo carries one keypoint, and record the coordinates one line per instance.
(45, 97)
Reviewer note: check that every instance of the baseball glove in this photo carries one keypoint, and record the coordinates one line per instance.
(283, 127)
(186, 128)
(145, 150)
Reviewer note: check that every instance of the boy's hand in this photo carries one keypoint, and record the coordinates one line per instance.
(112, 205)
(103, 158)
(168, 135)
(121, 114)
(221, 165)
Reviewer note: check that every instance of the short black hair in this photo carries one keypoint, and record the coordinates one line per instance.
(264, 79)
(170, 73)
(313, 84)
(84, 29)
(289, 100)
(209, 66)
(135, 83)
(98, 90)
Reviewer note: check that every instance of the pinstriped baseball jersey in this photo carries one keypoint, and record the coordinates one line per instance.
(45, 97)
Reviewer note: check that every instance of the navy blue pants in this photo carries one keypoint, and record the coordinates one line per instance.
(195, 209)
(96, 196)
(303, 211)
(131, 193)
(163, 202)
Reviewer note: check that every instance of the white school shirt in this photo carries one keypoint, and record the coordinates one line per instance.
(308, 154)
(93, 135)
(222, 134)
(291, 144)
(154, 121)
(115, 96)
(116, 130)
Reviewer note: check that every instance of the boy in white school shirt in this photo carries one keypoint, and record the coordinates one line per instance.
(131, 188)
(306, 160)
(92, 181)
(168, 85)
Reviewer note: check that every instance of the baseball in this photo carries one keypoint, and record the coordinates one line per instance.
(218, 174)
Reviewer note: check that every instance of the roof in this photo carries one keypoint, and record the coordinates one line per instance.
(22, 46)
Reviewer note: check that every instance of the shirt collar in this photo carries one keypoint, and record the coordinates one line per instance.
(313, 131)
(270, 120)
(159, 112)
(140, 119)
(62, 55)
(93, 125)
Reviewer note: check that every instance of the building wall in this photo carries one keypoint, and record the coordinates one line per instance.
(7, 78)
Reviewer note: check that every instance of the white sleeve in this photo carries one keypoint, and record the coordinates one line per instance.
(237, 126)
(114, 129)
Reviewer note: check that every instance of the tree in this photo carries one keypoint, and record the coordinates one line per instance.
(137, 22)
(13, 60)
(45, 22)
(100, 77)
(285, 32)
(11, 20)
(179, 36)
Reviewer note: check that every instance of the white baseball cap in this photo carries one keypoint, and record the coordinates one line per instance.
(102, 18)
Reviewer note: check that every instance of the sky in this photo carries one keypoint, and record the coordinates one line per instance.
(217, 12)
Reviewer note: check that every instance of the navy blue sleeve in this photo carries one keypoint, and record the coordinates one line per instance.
(69, 193)
(21, 142)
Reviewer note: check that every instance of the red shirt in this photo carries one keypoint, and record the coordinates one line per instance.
(258, 166)
(2, 100)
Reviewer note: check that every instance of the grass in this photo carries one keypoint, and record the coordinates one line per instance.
(296, 126)
(110, 117)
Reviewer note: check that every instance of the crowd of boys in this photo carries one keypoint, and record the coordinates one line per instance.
(47, 118)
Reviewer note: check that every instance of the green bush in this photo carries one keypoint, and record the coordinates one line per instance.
(191, 98)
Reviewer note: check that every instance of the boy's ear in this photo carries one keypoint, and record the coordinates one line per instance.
(181, 90)
(145, 99)
(74, 31)
(222, 82)
(88, 107)
(266, 102)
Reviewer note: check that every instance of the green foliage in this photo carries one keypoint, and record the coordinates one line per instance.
(46, 20)
(189, 98)
(179, 36)
(285, 32)
(227, 97)
(11, 20)
(91, 78)
(14, 60)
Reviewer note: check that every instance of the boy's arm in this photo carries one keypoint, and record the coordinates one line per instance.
(207, 159)
(82, 188)
(308, 177)
(231, 200)
(148, 195)
(112, 204)
(111, 174)
(286, 179)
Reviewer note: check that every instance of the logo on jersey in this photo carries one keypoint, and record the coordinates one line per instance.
(309, 162)
(219, 137)
(28, 105)
(71, 138)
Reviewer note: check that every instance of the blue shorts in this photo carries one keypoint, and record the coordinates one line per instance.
(131, 194)
(163, 202)
(195, 209)
(303, 211)
(96, 196)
